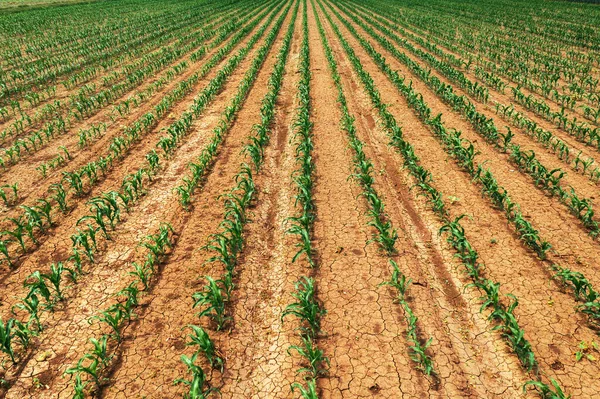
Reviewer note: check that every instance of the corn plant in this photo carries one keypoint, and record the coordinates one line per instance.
(10, 330)
(89, 365)
(4, 251)
(198, 386)
(75, 182)
(30, 304)
(306, 307)
(100, 350)
(7, 197)
(313, 355)
(60, 196)
(211, 299)
(6, 338)
(130, 293)
(37, 286)
(114, 317)
(143, 274)
(308, 392)
(202, 342)
(546, 391)
(86, 240)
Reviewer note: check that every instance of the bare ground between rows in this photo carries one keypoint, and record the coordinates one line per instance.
(258, 364)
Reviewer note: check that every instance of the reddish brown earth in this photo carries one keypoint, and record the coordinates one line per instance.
(364, 330)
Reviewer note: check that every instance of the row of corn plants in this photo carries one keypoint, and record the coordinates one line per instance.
(544, 178)
(75, 181)
(386, 236)
(106, 209)
(228, 243)
(306, 306)
(93, 366)
(502, 314)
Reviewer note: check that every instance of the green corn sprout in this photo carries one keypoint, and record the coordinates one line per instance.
(143, 273)
(198, 386)
(306, 308)
(60, 196)
(314, 356)
(211, 298)
(546, 391)
(310, 392)
(30, 304)
(200, 339)
(37, 285)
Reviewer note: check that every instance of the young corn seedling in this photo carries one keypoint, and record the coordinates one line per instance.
(202, 342)
(131, 296)
(546, 391)
(100, 350)
(55, 278)
(88, 364)
(114, 317)
(18, 233)
(314, 356)
(43, 209)
(198, 386)
(10, 330)
(306, 308)
(30, 304)
(585, 351)
(310, 392)
(75, 182)
(4, 251)
(143, 274)
(211, 298)
(37, 285)
(6, 337)
(60, 196)
(85, 240)
(79, 387)
(8, 198)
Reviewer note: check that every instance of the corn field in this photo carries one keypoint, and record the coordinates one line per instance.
(299, 199)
